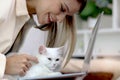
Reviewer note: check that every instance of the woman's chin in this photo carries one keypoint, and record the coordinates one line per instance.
(43, 23)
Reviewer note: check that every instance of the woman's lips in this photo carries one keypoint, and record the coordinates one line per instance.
(49, 18)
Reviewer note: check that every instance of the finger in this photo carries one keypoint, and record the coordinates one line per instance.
(24, 67)
(24, 61)
(22, 72)
(32, 58)
(28, 65)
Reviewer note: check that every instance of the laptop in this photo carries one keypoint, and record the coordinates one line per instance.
(86, 63)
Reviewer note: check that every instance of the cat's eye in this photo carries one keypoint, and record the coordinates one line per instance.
(49, 59)
(57, 59)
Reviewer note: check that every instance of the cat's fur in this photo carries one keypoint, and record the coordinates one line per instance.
(49, 60)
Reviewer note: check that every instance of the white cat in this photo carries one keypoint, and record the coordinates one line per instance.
(49, 60)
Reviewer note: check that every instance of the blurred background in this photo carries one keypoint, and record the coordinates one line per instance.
(105, 64)
(108, 38)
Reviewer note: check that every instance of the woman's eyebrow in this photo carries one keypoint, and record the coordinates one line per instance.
(67, 7)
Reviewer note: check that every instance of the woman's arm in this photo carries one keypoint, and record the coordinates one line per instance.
(2, 65)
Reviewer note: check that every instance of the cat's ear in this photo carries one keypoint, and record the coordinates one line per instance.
(42, 49)
(61, 50)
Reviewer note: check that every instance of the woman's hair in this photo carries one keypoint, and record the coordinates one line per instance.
(82, 4)
(60, 34)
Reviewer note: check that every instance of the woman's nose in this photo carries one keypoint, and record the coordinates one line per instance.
(60, 17)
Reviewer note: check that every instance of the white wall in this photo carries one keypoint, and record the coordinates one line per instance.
(33, 40)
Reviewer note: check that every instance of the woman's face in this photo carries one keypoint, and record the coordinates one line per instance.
(55, 10)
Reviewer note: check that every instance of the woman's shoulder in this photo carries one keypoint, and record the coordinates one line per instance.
(5, 7)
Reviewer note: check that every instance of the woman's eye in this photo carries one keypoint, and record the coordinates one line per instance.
(62, 9)
(49, 59)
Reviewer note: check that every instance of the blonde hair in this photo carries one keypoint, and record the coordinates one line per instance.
(60, 34)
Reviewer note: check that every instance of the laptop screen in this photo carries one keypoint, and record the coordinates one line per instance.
(91, 43)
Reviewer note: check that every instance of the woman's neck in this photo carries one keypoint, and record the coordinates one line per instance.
(30, 7)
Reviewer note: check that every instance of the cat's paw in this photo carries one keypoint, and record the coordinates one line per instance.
(55, 73)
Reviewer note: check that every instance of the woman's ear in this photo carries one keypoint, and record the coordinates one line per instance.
(42, 49)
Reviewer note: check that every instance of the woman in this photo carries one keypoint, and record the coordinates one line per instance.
(15, 14)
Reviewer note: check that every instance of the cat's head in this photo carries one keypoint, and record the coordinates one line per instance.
(51, 57)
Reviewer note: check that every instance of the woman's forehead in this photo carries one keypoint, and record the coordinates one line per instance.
(72, 5)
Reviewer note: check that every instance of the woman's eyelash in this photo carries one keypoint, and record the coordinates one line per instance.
(62, 9)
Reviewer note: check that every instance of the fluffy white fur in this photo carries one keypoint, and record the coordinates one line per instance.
(49, 60)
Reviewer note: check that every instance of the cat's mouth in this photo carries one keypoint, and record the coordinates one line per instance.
(52, 68)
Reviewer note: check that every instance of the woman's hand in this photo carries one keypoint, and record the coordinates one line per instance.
(19, 64)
